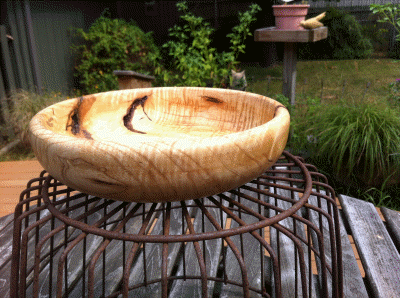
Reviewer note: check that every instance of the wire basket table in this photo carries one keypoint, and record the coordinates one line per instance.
(276, 236)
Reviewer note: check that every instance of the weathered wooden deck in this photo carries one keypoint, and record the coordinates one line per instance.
(370, 236)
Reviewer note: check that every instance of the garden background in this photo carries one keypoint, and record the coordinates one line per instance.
(345, 84)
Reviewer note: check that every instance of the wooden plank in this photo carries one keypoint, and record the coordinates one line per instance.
(6, 233)
(378, 253)
(6, 238)
(251, 251)
(210, 251)
(271, 34)
(5, 221)
(353, 284)
(154, 255)
(13, 180)
(286, 249)
(393, 224)
(113, 257)
(58, 239)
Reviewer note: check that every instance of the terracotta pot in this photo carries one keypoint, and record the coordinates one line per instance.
(288, 17)
(160, 144)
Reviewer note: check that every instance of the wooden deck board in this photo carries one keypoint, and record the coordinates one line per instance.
(380, 258)
(14, 176)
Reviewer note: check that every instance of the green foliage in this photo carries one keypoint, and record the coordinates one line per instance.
(113, 44)
(394, 93)
(346, 39)
(361, 141)
(388, 13)
(194, 61)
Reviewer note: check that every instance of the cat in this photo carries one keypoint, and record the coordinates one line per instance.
(238, 80)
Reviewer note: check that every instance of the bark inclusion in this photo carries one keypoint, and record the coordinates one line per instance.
(131, 111)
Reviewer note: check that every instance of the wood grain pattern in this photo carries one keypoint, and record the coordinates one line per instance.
(287, 250)
(393, 223)
(271, 34)
(380, 258)
(183, 143)
(353, 284)
(251, 252)
(212, 252)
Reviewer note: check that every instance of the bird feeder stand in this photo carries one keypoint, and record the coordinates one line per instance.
(290, 38)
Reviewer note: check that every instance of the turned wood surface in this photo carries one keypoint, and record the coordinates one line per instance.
(160, 144)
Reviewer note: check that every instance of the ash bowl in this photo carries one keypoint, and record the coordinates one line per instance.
(160, 144)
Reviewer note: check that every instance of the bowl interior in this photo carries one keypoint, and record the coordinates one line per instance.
(160, 112)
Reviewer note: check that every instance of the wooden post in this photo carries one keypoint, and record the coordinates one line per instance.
(290, 38)
(128, 79)
(289, 71)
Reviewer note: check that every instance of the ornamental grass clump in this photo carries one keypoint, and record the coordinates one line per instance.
(25, 105)
(361, 142)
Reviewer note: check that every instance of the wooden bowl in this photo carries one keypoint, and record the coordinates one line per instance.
(160, 144)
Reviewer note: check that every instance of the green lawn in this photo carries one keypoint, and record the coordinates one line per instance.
(347, 79)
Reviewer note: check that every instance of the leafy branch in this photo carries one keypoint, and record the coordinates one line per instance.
(388, 13)
(195, 61)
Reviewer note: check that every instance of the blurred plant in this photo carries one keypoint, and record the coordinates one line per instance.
(378, 197)
(394, 92)
(25, 105)
(388, 13)
(361, 141)
(195, 62)
(346, 39)
(113, 44)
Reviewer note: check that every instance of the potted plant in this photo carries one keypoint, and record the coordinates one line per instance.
(289, 16)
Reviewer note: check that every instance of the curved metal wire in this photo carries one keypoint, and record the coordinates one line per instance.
(258, 238)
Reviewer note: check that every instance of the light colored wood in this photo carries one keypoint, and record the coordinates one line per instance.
(379, 256)
(271, 34)
(160, 144)
(14, 176)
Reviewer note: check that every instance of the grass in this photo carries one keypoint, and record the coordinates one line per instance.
(334, 80)
(340, 83)
(318, 82)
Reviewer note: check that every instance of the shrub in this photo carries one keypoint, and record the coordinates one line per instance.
(27, 104)
(361, 142)
(194, 61)
(345, 39)
(113, 44)
(389, 13)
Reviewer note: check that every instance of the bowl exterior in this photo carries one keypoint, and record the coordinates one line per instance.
(158, 169)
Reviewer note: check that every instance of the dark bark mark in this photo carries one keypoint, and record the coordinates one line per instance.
(75, 122)
(213, 99)
(87, 134)
(74, 116)
(277, 107)
(131, 111)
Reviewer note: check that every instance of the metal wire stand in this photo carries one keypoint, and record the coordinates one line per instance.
(277, 236)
